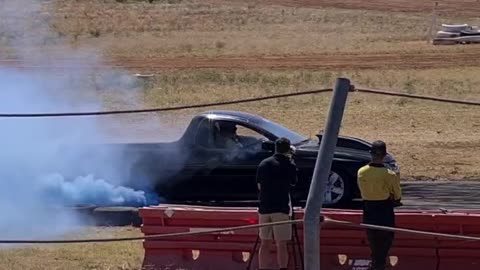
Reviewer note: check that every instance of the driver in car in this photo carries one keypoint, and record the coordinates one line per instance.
(226, 135)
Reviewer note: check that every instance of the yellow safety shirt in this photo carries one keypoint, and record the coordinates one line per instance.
(378, 183)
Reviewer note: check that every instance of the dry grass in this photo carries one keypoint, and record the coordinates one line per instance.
(197, 28)
(118, 256)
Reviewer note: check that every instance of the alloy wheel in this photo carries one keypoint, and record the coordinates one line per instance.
(335, 189)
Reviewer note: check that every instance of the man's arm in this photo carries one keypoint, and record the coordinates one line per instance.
(293, 174)
(260, 174)
(395, 187)
(361, 182)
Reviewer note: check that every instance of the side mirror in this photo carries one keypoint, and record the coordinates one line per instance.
(268, 145)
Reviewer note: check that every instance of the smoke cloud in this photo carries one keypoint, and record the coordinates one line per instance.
(48, 162)
(88, 189)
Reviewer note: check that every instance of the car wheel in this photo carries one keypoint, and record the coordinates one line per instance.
(337, 190)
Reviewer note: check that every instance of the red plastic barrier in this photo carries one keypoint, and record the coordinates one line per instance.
(194, 255)
(347, 247)
(173, 258)
(342, 247)
(459, 259)
(227, 250)
(344, 257)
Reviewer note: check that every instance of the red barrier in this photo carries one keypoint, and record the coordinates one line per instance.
(459, 259)
(347, 247)
(344, 257)
(227, 250)
(342, 247)
(197, 255)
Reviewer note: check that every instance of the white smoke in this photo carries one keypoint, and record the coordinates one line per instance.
(36, 172)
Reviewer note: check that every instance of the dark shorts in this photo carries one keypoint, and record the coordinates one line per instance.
(379, 213)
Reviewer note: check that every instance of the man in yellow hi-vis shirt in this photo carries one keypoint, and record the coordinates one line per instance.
(381, 192)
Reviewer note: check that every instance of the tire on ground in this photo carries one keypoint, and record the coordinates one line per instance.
(117, 216)
(83, 212)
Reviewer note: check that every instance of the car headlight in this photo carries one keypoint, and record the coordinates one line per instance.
(390, 163)
(393, 166)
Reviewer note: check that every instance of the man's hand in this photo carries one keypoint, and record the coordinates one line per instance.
(397, 203)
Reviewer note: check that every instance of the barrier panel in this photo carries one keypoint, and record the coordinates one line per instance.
(227, 250)
(342, 247)
(344, 257)
(459, 259)
(459, 253)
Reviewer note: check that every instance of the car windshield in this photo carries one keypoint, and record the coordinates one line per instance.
(281, 131)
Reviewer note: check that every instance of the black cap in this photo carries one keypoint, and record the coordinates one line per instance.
(378, 148)
(282, 145)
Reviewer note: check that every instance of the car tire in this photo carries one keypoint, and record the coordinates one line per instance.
(117, 216)
(339, 190)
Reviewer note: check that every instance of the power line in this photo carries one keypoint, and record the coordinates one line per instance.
(423, 97)
(410, 231)
(239, 101)
(175, 108)
(244, 227)
(151, 237)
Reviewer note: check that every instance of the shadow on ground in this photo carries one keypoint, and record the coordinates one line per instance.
(448, 195)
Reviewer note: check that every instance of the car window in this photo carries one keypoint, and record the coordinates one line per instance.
(249, 133)
(227, 135)
(246, 139)
(204, 134)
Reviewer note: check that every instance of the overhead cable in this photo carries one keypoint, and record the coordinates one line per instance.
(239, 101)
(150, 237)
(175, 108)
(245, 227)
(423, 97)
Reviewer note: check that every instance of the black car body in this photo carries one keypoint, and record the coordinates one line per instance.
(194, 169)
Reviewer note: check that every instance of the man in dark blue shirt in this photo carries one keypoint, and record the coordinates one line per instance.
(276, 175)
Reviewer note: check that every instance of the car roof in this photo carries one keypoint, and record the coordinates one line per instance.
(229, 114)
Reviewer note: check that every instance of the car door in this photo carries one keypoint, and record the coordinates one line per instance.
(199, 179)
(223, 174)
(237, 174)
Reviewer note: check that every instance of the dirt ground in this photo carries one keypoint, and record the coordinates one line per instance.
(316, 62)
(460, 7)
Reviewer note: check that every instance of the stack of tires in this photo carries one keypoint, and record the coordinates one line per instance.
(457, 34)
